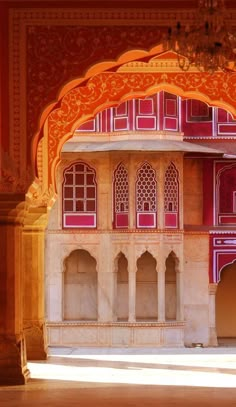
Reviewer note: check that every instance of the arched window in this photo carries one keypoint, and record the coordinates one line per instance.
(79, 196)
(171, 197)
(121, 197)
(146, 197)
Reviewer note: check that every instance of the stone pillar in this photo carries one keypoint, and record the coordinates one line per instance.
(161, 294)
(179, 296)
(105, 296)
(132, 295)
(132, 268)
(105, 280)
(34, 290)
(13, 361)
(212, 315)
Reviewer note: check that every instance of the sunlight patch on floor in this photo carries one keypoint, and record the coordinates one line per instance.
(172, 370)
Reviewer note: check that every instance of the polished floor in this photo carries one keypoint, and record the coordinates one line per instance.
(129, 377)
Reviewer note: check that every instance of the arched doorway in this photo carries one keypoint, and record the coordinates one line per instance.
(226, 305)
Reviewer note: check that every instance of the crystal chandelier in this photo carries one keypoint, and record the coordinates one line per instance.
(209, 43)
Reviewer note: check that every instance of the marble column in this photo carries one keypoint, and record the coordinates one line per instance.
(105, 281)
(179, 296)
(132, 295)
(212, 315)
(34, 290)
(161, 294)
(13, 361)
(132, 269)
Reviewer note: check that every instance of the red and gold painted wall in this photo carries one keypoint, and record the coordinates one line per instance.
(62, 65)
(56, 53)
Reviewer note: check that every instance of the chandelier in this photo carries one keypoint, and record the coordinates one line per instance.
(209, 43)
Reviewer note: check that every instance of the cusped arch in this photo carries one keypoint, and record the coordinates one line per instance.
(144, 250)
(223, 267)
(106, 89)
(173, 252)
(68, 250)
(118, 252)
(173, 255)
(99, 67)
(118, 257)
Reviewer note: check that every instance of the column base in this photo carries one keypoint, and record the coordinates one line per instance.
(35, 341)
(13, 364)
(212, 337)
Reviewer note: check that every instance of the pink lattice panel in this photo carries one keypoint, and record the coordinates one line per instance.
(121, 197)
(146, 196)
(171, 197)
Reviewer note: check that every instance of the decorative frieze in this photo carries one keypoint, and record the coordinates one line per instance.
(115, 324)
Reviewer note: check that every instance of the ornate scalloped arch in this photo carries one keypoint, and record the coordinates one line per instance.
(108, 89)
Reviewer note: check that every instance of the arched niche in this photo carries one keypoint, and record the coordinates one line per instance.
(226, 303)
(122, 288)
(171, 265)
(80, 286)
(146, 288)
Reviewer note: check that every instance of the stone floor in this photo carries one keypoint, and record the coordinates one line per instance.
(129, 377)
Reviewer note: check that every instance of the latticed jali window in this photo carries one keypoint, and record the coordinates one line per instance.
(171, 196)
(146, 196)
(121, 197)
(79, 196)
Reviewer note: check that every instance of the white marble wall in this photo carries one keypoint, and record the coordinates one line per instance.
(191, 295)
